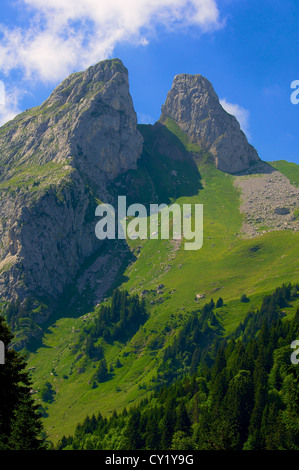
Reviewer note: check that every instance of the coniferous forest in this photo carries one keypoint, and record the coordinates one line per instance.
(235, 393)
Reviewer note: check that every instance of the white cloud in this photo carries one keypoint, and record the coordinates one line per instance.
(241, 114)
(64, 35)
(9, 105)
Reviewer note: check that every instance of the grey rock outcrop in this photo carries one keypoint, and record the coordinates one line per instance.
(194, 105)
(88, 121)
(56, 161)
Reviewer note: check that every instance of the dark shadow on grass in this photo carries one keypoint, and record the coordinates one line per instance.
(165, 171)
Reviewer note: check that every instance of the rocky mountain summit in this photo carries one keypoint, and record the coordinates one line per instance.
(55, 163)
(194, 105)
(88, 121)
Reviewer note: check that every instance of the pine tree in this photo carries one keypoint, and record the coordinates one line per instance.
(237, 406)
(168, 424)
(132, 439)
(260, 401)
(152, 434)
(20, 425)
(183, 422)
(25, 428)
(102, 371)
(274, 433)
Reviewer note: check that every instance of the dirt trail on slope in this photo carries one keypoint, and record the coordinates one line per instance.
(268, 202)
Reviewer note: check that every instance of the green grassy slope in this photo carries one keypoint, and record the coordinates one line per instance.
(289, 169)
(225, 266)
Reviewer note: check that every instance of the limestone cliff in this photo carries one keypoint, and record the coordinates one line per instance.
(194, 105)
(55, 163)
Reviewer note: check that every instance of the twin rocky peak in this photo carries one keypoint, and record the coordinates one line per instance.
(106, 132)
(90, 119)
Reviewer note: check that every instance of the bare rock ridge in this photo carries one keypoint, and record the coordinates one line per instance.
(194, 105)
(56, 161)
(88, 121)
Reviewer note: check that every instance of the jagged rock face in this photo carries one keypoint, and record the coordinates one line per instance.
(89, 121)
(193, 104)
(44, 242)
(56, 161)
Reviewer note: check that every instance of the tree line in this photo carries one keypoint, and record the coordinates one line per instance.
(248, 399)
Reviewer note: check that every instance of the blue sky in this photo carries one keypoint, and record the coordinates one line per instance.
(246, 48)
